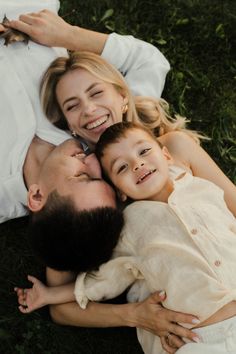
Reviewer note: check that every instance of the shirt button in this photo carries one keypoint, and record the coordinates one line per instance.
(194, 231)
(217, 263)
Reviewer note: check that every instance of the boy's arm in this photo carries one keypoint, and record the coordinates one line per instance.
(109, 281)
(40, 295)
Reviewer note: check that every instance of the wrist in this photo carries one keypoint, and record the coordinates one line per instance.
(125, 315)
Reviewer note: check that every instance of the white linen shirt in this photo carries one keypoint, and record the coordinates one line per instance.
(186, 247)
(21, 116)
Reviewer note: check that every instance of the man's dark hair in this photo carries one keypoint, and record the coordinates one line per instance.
(66, 239)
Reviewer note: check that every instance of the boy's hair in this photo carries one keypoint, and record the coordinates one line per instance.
(114, 133)
(66, 239)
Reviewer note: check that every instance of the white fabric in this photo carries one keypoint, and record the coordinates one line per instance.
(219, 338)
(185, 247)
(21, 67)
(143, 65)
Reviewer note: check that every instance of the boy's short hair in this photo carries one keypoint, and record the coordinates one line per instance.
(66, 239)
(114, 133)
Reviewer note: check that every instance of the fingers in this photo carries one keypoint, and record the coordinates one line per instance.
(2, 28)
(32, 279)
(175, 341)
(157, 297)
(184, 332)
(183, 318)
(20, 26)
(24, 309)
(166, 346)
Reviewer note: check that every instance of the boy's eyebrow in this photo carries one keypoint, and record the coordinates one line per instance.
(74, 97)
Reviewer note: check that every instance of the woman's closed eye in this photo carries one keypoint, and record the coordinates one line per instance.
(72, 107)
(97, 93)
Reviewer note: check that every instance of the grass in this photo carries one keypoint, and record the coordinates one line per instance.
(198, 37)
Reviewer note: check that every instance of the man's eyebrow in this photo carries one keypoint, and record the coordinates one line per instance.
(74, 97)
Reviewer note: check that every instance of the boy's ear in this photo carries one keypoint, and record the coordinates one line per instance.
(167, 155)
(36, 199)
(122, 196)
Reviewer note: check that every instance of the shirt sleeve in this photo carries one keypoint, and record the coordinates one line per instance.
(142, 64)
(110, 280)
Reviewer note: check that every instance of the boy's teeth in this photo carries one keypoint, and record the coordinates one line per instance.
(96, 123)
(145, 175)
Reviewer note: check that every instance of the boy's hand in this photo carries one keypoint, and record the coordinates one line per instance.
(32, 298)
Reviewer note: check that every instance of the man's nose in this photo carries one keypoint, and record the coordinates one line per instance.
(138, 165)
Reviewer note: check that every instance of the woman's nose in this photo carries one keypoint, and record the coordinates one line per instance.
(89, 108)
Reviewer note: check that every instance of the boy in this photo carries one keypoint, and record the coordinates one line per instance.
(182, 239)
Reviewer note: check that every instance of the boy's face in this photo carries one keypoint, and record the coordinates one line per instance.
(137, 165)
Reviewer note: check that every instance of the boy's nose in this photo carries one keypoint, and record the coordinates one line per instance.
(137, 166)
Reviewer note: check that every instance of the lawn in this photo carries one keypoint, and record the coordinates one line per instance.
(197, 37)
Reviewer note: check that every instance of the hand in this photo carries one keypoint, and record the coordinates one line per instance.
(44, 27)
(32, 298)
(2, 28)
(153, 317)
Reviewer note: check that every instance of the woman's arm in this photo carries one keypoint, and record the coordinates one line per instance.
(148, 314)
(47, 28)
(142, 64)
(186, 150)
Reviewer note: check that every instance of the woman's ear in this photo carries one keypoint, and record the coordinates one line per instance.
(121, 196)
(36, 199)
(167, 155)
(125, 105)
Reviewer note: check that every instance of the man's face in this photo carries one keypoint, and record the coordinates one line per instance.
(68, 170)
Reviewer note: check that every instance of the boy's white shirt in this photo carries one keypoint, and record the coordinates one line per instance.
(185, 247)
(21, 67)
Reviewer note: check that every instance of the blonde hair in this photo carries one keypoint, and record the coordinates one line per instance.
(152, 113)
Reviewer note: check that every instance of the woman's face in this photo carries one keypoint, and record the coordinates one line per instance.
(89, 104)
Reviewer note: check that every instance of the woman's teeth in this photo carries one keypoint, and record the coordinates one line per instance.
(97, 123)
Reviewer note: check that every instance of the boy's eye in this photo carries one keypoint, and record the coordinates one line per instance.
(144, 151)
(121, 168)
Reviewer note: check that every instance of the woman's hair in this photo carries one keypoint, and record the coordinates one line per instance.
(152, 113)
